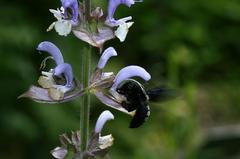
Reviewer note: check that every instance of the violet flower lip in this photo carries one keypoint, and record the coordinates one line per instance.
(73, 5)
(112, 6)
(66, 70)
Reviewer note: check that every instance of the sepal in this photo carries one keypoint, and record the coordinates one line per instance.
(41, 95)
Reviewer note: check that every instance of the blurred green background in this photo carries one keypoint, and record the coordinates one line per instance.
(193, 46)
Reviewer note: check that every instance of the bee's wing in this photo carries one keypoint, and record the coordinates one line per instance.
(141, 115)
(161, 94)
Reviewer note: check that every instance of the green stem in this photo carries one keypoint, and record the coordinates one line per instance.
(85, 104)
(87, 6)
(85, 77)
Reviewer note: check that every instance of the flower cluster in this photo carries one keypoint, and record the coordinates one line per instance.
(119, 91)
(70, 18)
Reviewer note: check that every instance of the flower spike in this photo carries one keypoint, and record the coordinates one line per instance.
(102, 119)
(73, 5)
(109, 52)
(53, 50)
(128, 72)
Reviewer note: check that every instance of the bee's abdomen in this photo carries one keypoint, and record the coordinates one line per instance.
(141, 115)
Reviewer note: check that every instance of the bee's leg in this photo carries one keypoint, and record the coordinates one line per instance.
(118, 97)
(128, 106)
(141, 115)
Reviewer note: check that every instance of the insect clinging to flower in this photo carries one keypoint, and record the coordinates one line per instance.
(137, 99)
(133, 97)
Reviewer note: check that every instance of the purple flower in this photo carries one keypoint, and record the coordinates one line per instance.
(62, 68)
(53, 50)
(103, 142)
(128, 72)
(66, 70)
(73, 5)
(113, 4)
(102, 119)
(109, 52)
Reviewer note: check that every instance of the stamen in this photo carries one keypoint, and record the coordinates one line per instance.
(43, 63)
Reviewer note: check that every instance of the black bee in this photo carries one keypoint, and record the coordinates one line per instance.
(137, 98)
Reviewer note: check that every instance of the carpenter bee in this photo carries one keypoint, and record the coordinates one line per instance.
(137, 98)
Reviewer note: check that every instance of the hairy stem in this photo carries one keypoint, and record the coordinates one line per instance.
(85, 103)
(87, 7)
(85, 77)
